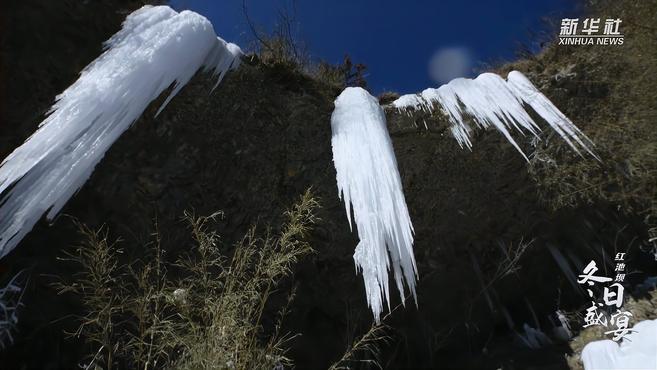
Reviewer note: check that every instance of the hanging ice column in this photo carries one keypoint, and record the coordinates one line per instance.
(492, 101)
(369, 182)
(156, 48)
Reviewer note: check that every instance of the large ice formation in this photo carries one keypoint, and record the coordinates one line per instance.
(489, 100)
(369, 183)
(155, 49)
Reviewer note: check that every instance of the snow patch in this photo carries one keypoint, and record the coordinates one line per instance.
(638, 350)
(408, 101)
(156, 48)
(489, 100)
(368, 181)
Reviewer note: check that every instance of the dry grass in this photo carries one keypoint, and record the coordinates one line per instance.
(202, 312)
(341, 75)
(282, 45)
(608, 91)
(364, 350)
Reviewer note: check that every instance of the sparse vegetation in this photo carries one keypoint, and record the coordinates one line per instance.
(364, 349)
(203, 311)
(387, 97)
(608, 91)
(283, 47)
(341, 76)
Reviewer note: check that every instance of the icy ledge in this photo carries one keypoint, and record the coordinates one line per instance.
(368, 182)
(489, 100)
(638, 350)
(156, 48)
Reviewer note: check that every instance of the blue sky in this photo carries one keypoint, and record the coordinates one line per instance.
(395, 39)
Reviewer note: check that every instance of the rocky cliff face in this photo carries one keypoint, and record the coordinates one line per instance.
(249, 149)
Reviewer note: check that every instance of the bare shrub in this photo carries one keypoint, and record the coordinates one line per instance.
(206, 315)
(282, 45)
(364, 349)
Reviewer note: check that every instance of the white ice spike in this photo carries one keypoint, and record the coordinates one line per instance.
(368, 181)
(489, 100)
(157, 47)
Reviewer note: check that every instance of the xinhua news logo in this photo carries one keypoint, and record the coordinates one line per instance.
(591, 32)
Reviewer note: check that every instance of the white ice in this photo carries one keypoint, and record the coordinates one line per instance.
(637, 351)
(155, 49)
(369, 183)
(489, 100)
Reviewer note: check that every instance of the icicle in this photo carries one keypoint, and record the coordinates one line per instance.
(491, 101)
(563, 264)
(560, 326)
(156, 48)
(533, 338)
(537, 325)
(368, 181)
(525, 90)
(480, 278)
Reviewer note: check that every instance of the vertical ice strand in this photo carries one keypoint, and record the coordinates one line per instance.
(155, 49)
(369, 184)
